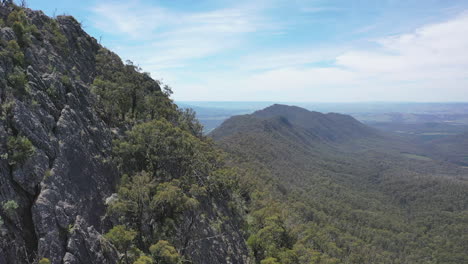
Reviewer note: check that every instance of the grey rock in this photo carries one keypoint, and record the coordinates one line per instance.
(63, 188)
(86, 245)
(7, 34)
(32, 172)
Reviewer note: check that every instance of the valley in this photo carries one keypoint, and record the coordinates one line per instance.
(360, 197)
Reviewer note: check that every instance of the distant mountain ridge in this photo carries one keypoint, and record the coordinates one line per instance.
(344, 192)
(331, 127)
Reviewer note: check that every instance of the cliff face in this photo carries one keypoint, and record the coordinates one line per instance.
(55, 148)
(64, 182)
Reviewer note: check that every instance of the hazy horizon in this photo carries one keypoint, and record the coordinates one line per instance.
(329, 102)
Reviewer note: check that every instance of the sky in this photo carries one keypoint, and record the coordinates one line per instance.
(287, 50)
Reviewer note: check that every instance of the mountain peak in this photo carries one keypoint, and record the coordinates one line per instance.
(327, 127)
(281, 109)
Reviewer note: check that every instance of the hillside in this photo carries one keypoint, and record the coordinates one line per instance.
(329, 127)
(342, 192)
(451, 148)
(97, 164)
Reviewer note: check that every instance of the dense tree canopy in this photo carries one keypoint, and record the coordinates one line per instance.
(316, 202)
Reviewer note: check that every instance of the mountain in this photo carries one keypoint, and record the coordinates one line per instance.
(323, 127)
(341, 192)
(97, 164)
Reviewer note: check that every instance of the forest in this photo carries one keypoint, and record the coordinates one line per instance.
(357, 200)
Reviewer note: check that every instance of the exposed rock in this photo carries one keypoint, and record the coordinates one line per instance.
(86, 245)
(62, 183)
(62, 188)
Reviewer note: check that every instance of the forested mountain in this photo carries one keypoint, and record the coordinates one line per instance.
(319, 194)
(314, 125)
(97, 164)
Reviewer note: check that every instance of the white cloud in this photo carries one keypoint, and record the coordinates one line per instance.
(434, 52)
(128, 18)
(272, 60)
(170, 38)
(427, 64)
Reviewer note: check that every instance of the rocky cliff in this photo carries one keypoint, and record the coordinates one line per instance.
(56, 168)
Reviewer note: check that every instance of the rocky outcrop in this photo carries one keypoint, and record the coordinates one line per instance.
(63, 185)
(61, 188)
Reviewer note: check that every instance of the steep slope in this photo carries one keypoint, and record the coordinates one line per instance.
(62, 182)
(64, 101)
(343, 193)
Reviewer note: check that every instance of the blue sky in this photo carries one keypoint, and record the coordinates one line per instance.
(288, 50)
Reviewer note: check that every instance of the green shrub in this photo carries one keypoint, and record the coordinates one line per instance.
(18, 80)
(122, 238)
(47, 174)
(17, 16)
(144, 260)
(156, 147)
(269, 261)
(52, 91)
(12, 50)
(58, 38)
(3, 44)
(6, 108)
(19, 149)
(35, 32)
(51, 68)
(71, 228)
(170, 199)
(66, 81)
(44, 261)
(163, 252)
(10, 207)
(19, 30)
(15, 52)
(18, 21)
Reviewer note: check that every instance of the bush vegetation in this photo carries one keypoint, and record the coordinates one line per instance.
(162, 156)
(23, 29)
(58, 38)
(44, 261)
(122, 238)
(12, 50)
(19, 149)
(10, 207)
(163, 252)
(316, 203)
(18, 81)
